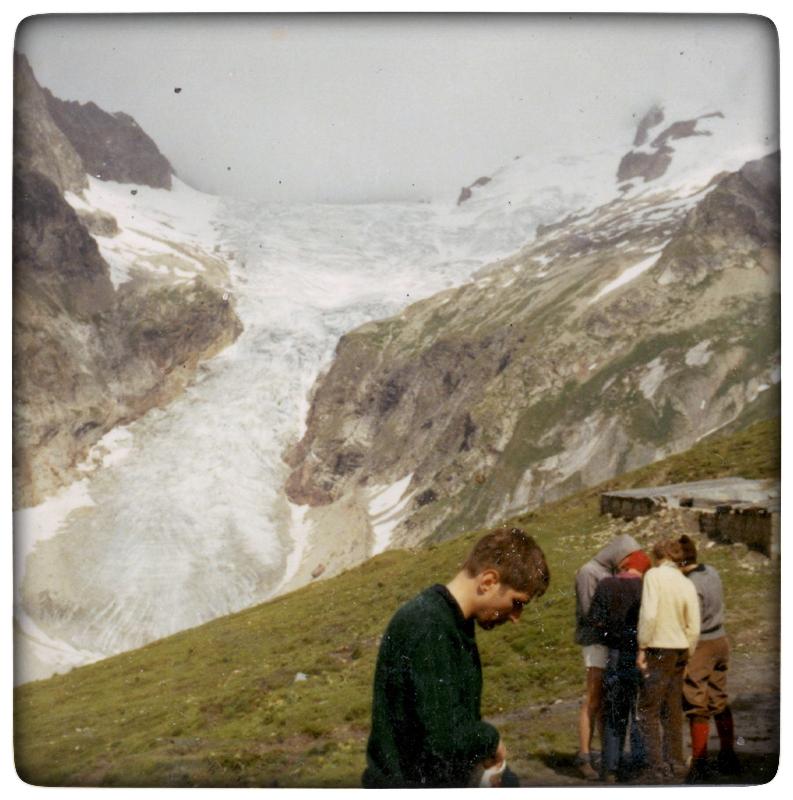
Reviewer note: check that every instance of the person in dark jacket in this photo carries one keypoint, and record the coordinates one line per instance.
(427, 729)
(705, 679)
(601, 565)
(614, 614)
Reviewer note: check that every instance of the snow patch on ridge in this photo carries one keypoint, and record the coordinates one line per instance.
(653, 378)
(385, 507)
(160, 231)
(699, 355)
(300, 531)
(626, 276)
(576, 456)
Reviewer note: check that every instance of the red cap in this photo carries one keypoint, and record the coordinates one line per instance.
(638, 560)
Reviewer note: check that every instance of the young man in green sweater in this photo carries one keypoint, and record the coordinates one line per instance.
(427, 729)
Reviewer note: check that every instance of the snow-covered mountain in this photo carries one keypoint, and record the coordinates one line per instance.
(179, 514)
(644, 318)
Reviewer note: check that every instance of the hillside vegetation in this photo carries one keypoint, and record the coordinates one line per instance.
(225, 704)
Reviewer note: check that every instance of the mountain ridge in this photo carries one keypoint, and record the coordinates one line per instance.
(112, 147)
(424, 397)
(88, 356)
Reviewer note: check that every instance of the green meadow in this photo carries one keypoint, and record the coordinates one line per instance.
(220, 705)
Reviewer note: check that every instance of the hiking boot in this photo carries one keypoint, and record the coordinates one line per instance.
(698, 772)
(674, 772)
(585, 768)
(609, 778)
(649, 776)
(728, 763)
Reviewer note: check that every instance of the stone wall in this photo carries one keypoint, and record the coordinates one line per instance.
(628, 508)
(757, 528)
(751, 523)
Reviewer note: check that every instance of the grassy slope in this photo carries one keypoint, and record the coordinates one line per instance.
(218, 704)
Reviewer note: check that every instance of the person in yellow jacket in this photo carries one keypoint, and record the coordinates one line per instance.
(669, 623)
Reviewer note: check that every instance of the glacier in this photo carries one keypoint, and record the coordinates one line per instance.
(180, 517)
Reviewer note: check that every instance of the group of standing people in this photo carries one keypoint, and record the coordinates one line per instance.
(655, 649)
(654, 644)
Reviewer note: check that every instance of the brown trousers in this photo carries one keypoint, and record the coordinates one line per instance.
(660, 707)
(705, 681)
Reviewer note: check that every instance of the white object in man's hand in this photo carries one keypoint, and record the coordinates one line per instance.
(491, 777)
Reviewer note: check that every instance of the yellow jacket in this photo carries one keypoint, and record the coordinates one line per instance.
(669, 614)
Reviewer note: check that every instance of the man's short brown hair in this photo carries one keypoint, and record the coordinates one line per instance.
(516, 557)
(670, 549)
(689, 550)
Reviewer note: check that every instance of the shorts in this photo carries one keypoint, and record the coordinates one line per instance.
(705, 682)
(595, 655)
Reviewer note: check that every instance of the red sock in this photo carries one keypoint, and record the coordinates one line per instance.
(699, 738)
(725, 729)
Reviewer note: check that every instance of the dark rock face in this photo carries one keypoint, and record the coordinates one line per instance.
(467, 191)
(427, 422)
(112, 146)
(737, 223)
(653, 165)
(98, 223)
(644, 165)
(655, 116)
(87, 357)
(52, 250)
(39, 144)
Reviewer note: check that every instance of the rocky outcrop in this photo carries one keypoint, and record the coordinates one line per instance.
(86, 356)
(653, 163)
(616, 338)
(112, 146)
(736, 226)
(467, 191)
(39, 144)
(655, 116)
(644, 165)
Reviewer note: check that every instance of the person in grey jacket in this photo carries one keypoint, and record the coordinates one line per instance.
(604, 563)
(705, 680)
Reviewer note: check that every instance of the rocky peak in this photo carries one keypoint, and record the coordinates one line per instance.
(113, 147)
(652, 163)
(467, 191)
(655, 116)
(39, 144)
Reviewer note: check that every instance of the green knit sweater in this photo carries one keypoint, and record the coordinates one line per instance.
(426, 725)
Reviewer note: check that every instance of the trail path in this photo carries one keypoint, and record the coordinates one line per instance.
(754, 691)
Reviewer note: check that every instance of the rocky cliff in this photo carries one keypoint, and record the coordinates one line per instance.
(616, 337)
(112, 146)
(39, 144)
(88, 355)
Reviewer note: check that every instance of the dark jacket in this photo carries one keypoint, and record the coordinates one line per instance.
(614, 613)
(426, 724)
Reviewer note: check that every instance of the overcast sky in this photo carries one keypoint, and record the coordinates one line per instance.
(347, 108)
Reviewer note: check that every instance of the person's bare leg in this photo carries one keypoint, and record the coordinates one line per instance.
(590, 716)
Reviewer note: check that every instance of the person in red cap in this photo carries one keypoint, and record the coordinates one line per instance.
(614, 614)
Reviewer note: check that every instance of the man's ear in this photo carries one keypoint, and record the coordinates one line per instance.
(487, 580)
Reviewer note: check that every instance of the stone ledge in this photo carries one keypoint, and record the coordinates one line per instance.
(729, 510)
